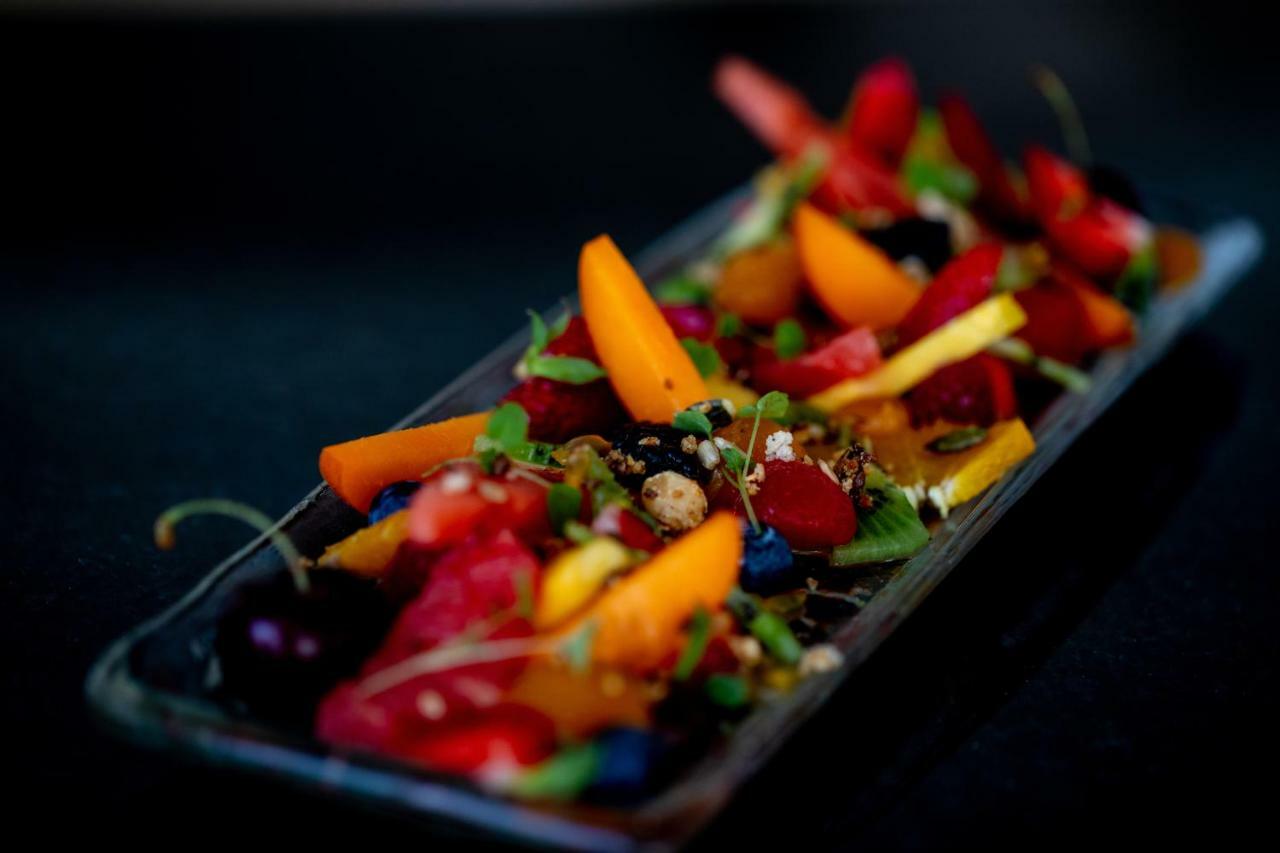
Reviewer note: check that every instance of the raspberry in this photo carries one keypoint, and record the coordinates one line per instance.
(978, 390)
(802, 503)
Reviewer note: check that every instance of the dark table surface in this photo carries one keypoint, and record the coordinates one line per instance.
(228, 242)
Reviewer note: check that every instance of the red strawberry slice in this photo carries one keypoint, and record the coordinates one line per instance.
(1057, 326)
(974, 148)
(627, 528)
(1092, 232)
(960, 285)
(460, 502)
(489, 744)
(978, 390)
(858, 180)
(559, 411)
(850, 354)
(883, 110)
(803, 503)
(469, 589)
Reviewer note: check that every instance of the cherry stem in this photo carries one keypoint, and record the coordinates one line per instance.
(450, 657)
(166, 535)
(1064, 107)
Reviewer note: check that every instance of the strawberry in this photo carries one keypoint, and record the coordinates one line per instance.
(460, 501)
(625, 526)
(558, 411)
(978, 390)
(973, 147)
(1057, 326)
(489, 744)
(883, 110)
(960, 285)
(802, 503)
(850, 354)
(1092, 232)
(466, 587)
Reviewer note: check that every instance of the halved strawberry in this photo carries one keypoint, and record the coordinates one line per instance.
(978, 390)
(850, 354)
(460, 502)
(883, 110)
(559, 411)
(783, 120)
(960, 285)
(1092, 232)
(974, 148)
(489, 744)
(802, 503)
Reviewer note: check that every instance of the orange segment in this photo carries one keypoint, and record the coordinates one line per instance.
(581, 704)
(653, 375)
(638, 621)
(947, 480)
(357, 470)
(854, 281)
(369, 551)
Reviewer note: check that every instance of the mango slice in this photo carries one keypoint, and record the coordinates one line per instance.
(368, 552)
(853, 280)
(652, 374)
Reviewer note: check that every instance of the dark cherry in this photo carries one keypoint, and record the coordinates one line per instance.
(280, 649)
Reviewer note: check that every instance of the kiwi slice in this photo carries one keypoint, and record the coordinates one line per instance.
(889, 530)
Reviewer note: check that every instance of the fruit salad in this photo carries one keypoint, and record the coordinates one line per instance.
(571, 595)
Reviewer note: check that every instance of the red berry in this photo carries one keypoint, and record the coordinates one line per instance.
(963, 283)
(851, 354)
(575, 340)
(882, 113)
(978, 390)
(489, 743)
(627, 528)
(559, 411)
(460, 502)
(690, 321)
(1056, 326)
(974, 148)
(802, 503)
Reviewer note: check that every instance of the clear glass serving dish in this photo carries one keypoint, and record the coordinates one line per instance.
(154, 684)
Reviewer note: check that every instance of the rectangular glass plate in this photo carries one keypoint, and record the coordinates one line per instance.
(152, 685)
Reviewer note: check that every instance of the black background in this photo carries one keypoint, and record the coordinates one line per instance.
(230, 241)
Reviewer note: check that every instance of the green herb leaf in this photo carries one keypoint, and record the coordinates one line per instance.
(694, 422)
(728, 325)
(788, 339)
(704, 356)
(734, 459)
(772, 405)
(682, 290)
(564, 503)
(576, 650)
(947, 179)
(1137, 283)
(958, 440)
(533, 452)
(778, 191)
(695, 647)
(506, 432)
(889, 530)
(538, 335)
(577, 532)
(565, 368)
(728, 691)
(562, 777)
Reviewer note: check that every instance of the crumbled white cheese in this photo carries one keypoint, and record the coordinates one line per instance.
(777, 447)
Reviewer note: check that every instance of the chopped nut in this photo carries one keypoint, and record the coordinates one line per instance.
(677, 502)
(624, 463)
(746, 649)
(688, 444)
(456, 481)
(650, 441)
(820, 658)
(708, 455)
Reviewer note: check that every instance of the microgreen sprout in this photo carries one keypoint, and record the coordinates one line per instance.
(1064, 107)
(788, 339)
(704, 356)
(696, 645)
(167, 522)
(772, 405)
(561, 368)
(694, 422)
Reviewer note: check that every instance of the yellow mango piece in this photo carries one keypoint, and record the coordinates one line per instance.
(574, 578)
(968, 334)
(947, 480)
(368, 552)
(722, 387)
(582, 703)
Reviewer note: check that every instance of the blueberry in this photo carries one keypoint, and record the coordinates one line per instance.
(767, 566)
(392, 499)
(644, 448)
(631, 760)
(926, 239)
(280, 650)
